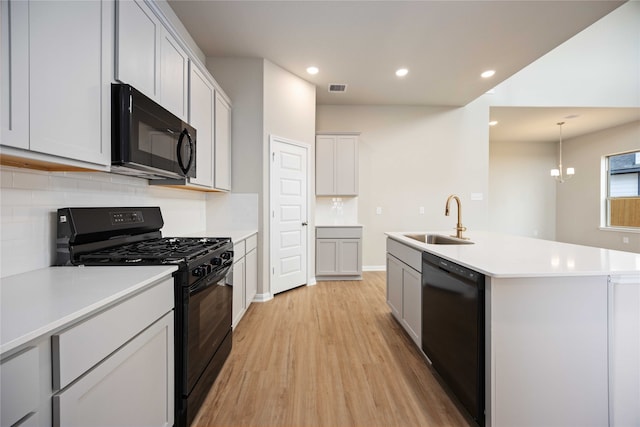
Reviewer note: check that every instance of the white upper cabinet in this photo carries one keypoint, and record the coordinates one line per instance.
(138, 38)
(149, 58)
(337, 164)
(174, 76)
(222, 144)
(202, 97)
(56, 97)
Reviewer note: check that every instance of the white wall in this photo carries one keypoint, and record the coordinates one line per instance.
(266, 100)
(412, 157)
(523, 195)
(29, 201)
(599, 67)
(579, 200)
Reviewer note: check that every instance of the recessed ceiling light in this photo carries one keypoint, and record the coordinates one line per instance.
(401, 72)
(312, 70)
(487, 74)
(493, 122)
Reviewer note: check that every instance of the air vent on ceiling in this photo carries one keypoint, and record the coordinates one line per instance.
(337, 88)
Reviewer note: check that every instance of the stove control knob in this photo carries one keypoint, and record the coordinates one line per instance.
(216, 262)
(208, 268)
(199, 271)
(226, 255)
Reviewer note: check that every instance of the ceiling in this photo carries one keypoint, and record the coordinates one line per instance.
(444, 44)
(540, 124)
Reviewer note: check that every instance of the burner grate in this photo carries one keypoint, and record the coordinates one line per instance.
(163, 250)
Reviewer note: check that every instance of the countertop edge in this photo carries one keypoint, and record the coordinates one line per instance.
(78, 315)
(433, 249)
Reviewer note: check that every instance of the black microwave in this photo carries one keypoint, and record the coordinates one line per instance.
(147, 140)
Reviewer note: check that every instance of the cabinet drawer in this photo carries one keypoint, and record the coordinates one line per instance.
(409, 256)
(338, 232)
(19, 380)
(77, 349)
(239, 249)
(252, 242)
(132, 387)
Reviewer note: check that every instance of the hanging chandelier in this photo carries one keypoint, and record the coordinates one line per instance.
(558, 173)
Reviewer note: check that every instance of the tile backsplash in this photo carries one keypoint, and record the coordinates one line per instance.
(29, 200)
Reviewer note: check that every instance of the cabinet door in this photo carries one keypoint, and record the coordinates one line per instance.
(325, 165)
(174, 77)
(201, 116)
(346, 169)
(394, 286)
(222, 144)
(70, 57)
(133, 387)
(15, 73)
(327, 256)
(251, 276)
(350, 255)
(137, 45)
(19, 381)
(238, 290)
(412, 303)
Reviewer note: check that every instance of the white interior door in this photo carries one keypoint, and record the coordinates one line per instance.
(289, 194)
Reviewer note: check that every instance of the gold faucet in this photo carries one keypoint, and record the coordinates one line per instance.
(459, 227)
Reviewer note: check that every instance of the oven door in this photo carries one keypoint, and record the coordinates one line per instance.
(150, 138)
(207, 312)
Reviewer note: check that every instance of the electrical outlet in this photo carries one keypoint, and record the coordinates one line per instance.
(421, 210)
(378, 210)
(625, 239)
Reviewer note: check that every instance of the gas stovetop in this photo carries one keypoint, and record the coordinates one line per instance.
(167, 250)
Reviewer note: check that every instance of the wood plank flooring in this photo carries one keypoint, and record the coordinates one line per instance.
(326, 355)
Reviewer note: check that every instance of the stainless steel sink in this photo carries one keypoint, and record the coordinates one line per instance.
(438, 239)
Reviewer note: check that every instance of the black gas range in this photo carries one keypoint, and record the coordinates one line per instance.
(203, 295)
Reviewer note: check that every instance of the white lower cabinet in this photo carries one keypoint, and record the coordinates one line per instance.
(339, 253)
(130, 388)
(245, 276)
(19, 379)
(404, 287)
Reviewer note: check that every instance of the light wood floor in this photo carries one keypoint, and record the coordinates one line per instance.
(326, 355)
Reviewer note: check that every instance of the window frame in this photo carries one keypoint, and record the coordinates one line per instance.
(605, 217)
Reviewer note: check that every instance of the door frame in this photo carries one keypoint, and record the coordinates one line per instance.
(273, 140)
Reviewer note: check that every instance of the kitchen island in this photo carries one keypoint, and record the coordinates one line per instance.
(562, 337)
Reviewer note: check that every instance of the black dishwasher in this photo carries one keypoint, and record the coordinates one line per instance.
(453, 328)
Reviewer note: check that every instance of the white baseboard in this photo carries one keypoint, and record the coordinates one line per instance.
(374, 268)
(268, 296)
(312, 281)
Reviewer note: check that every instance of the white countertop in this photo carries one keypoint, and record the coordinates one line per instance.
(501, 255)
(35, 304)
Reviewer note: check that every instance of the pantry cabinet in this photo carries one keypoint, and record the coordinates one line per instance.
(55, 101)
(339, 253)
(337, 164)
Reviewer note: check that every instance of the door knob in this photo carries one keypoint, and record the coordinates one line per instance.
(304, 224)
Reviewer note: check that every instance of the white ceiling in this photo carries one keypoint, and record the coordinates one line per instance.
(444, 44)
(540, 124)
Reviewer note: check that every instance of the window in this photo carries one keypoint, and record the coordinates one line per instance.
(623, 190)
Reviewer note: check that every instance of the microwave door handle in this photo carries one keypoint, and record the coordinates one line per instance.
(185, 169)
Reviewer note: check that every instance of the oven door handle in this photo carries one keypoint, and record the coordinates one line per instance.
(205, 283)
